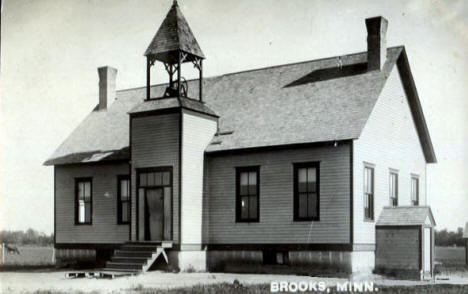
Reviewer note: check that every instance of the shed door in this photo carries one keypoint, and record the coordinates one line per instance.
(427, 250)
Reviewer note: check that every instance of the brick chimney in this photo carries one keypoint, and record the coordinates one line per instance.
(376, 42)
(107, 78)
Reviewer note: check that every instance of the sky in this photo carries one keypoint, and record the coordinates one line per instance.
(51, 49)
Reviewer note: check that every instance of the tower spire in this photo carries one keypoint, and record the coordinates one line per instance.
(173, 45)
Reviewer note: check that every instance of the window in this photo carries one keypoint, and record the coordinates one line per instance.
(306, 191)
(415, 191)
(123, 200)
(247, 199)
(393, 189)
(368, 193)
(83, 201)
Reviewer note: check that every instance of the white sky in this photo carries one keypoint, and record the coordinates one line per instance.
(51, 49)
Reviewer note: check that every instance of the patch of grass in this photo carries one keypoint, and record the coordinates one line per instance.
(237, 288)
(450, 256)
(30, 256)
(63, 292)
(138, 287)
(315, 271)
(190, 269)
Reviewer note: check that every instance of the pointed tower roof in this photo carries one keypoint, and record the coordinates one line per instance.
(173, 35)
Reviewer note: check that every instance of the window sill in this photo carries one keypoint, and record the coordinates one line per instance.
(126, 223)
(315, 219)
(83, 224)
(247, 221)
(368, 220)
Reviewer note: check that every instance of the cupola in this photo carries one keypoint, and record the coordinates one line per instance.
(174, 45)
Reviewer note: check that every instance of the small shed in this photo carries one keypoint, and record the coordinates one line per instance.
(465, 237)
(405, 242)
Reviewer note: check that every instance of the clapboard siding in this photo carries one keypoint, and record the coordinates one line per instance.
(155, 142)
(398, 248)
(104, 227)
(276, 223)
(389, 140)
(197, 132)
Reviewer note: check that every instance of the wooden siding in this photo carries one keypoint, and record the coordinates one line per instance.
(155, 142)
(104, 227)
(197, 132)
(389, 141)
(276, 223)
(398, 248)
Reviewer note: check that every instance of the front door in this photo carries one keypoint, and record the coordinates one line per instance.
(154, 214)
(154, 204)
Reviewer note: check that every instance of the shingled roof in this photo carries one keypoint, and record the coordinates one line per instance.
(322, 100)
(173, 34)
(406, 216)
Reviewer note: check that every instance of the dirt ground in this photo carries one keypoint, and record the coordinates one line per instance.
(17, 282)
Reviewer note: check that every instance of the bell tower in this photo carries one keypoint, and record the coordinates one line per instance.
(169, 132)
(174, 45)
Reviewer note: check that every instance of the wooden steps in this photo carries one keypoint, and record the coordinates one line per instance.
(136, 257)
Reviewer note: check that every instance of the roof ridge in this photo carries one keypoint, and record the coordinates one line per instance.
(261, 68)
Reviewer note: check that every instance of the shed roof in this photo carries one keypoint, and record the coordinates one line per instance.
(314, 101)
(406, 216)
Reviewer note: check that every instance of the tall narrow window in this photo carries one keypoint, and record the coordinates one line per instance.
(83, 201)
(368, 193)
(306, 191)
(123, 200)
(415, 191)
(247, 200)
(393, 189)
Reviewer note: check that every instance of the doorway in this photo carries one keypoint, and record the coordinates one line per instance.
(154, 214)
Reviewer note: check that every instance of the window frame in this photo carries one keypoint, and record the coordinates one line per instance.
(297, 166)
(119, 199)
(372, 194)
(414, 177)
(77, 217)
(239, 170)
(393, 200)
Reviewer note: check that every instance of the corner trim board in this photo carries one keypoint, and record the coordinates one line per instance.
(181, 116)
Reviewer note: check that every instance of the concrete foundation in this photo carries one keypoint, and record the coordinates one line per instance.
(192, 261)
(362, 261)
